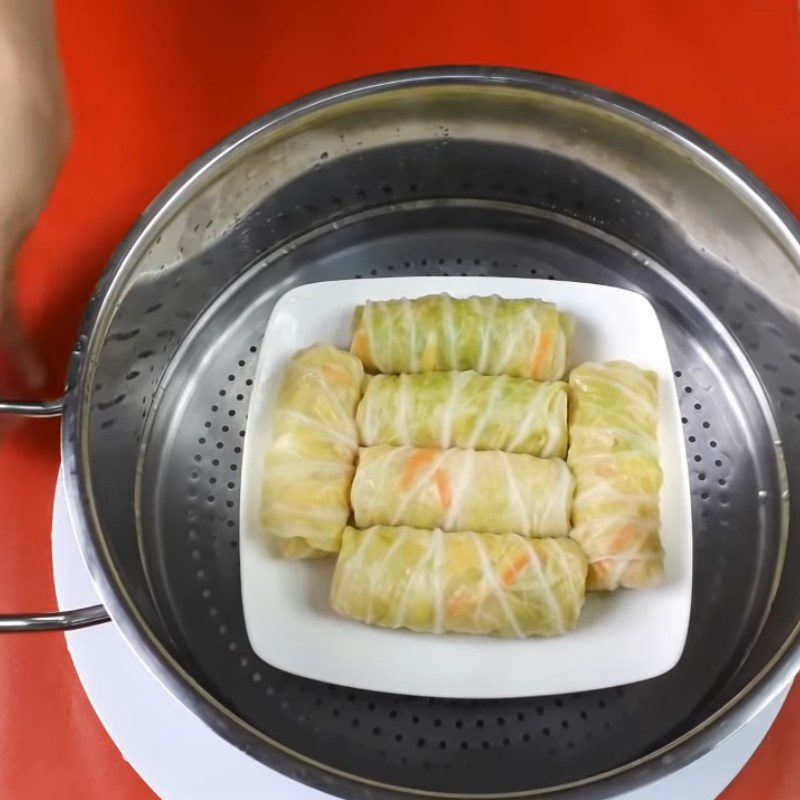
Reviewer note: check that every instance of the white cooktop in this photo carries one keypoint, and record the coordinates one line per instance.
(182, 759)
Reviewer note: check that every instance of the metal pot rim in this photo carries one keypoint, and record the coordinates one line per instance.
(695, 743)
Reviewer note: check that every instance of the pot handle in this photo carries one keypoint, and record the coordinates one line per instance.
(46, 408)
(53, 621)
(56, 620)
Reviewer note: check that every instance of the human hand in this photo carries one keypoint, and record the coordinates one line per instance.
(34, 138)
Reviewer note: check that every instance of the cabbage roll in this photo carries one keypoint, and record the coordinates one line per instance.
(467, 582)
(613, 453)
(310, 460)
(524, 338)
(465, 409)
(462, 490)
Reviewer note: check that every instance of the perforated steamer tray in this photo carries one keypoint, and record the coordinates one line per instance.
(621, 637)
(453, 171)
(191, 499)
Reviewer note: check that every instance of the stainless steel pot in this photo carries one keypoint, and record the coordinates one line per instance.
(452, 170)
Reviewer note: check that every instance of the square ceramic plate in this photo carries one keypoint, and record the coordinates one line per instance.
(622, 637)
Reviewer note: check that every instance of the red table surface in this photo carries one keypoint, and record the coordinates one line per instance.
(153, 83)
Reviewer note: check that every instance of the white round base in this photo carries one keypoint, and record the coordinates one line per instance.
(180, 758)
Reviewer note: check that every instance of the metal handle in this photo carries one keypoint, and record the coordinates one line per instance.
(47, 408)
(56, 620)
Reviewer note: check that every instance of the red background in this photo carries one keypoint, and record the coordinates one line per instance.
(153, 83)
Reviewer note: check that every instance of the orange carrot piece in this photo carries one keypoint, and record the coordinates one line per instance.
(335, 373)
(515, 569)
(458, 602)
(623, 538)
(416, 464)
(541, 353)
(444, 488)
(606, 470)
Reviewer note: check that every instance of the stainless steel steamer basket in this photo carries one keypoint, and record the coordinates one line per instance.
(443, 171)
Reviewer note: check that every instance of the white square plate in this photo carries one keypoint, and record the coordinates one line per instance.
(622, 637)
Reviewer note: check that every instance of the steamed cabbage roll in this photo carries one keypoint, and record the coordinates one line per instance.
(466, 582)
(524, 338)
(613, 453)
(465, 409)
(462, 490)
(309, 464)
